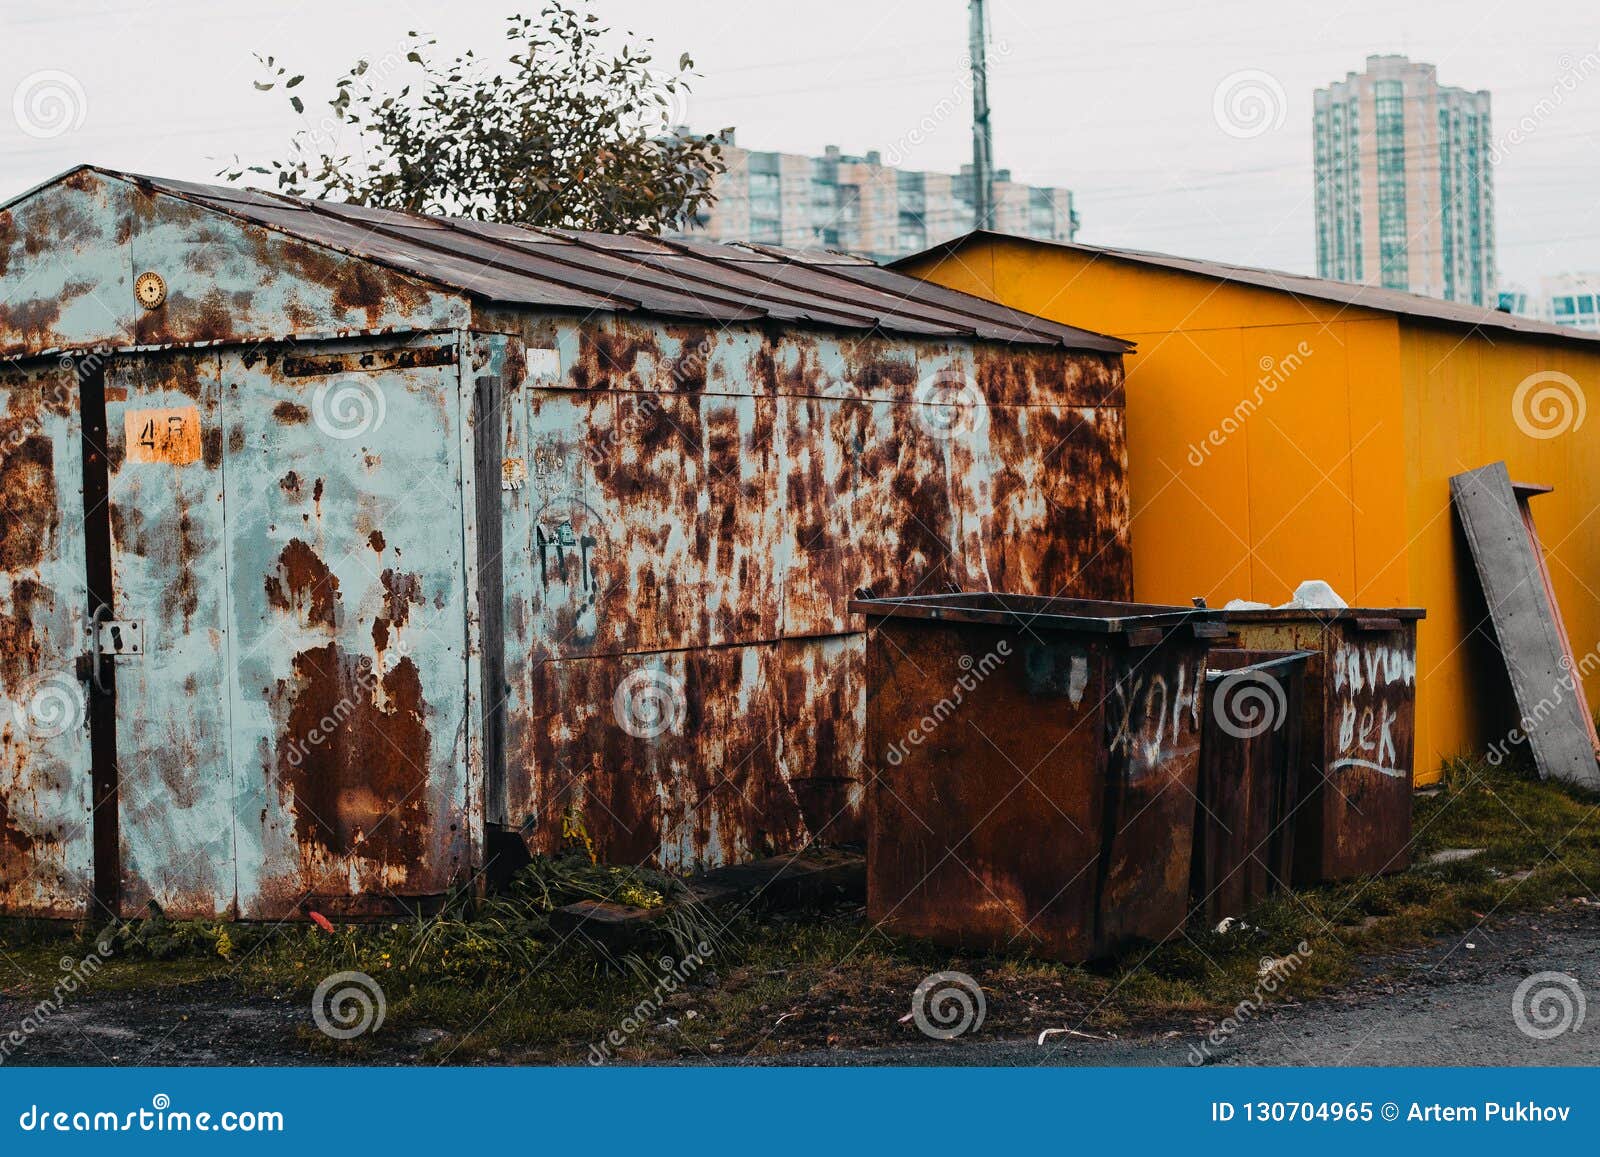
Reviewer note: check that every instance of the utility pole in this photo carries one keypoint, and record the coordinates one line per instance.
(982, 144)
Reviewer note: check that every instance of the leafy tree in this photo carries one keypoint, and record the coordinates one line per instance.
(564, 133)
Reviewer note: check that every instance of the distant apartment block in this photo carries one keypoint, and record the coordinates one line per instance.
(861, 205)
(1404, 188)
(1567, 299)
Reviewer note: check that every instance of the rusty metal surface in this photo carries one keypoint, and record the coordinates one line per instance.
(1031, 789)
(175, 794)
(668, 487)
(724, 283)
(1249, 778)
(395, 546)
(1359, 728)
(46, 852)
(349, 632)
(70, 254)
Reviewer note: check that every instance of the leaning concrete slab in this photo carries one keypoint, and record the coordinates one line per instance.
(1550, 699)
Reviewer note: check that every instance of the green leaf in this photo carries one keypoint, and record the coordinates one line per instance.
(298, 106)
(294, 82)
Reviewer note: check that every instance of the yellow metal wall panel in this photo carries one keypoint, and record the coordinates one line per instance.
(1189, 491)
(1378, 462)
(1465, 410)
(1301, 484)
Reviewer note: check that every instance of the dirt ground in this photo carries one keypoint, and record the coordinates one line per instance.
(1449, 1002)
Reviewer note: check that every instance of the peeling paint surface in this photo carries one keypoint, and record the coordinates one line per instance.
(348, 634)
(70, 253)
(728, 490)
(168, 548)
(46, 849)
(416, 550)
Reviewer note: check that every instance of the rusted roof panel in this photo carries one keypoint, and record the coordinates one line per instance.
(595, 271)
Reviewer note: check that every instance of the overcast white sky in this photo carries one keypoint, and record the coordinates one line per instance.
(1114, 100)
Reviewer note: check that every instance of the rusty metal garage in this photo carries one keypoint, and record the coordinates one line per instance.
(339, 542)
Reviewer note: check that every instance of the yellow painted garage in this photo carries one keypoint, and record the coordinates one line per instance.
(1282, 428)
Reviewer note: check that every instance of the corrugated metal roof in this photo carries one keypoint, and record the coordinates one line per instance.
(1340, 292)
(697, 280)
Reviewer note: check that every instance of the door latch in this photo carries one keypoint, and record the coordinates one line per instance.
(120, 637)
(108, 636)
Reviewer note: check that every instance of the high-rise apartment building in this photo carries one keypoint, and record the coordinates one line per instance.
(1405, 195)
(1565, 299)
(861, 205)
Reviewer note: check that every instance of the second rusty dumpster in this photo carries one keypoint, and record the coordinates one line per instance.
(1033, 769)
(1358, 723)
(1249, 778)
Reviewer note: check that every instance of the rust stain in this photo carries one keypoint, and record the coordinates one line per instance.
(608, 356)
(353, 757)
(303, 582)
(400, 592)
(291, 413)
(8, 239)
(20, 651)
(28, 487)
(15, 844)
(211, 446)
(376, 542)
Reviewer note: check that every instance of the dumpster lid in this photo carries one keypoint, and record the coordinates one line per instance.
(1035, 611)
(1322, 614)
(1253, 662)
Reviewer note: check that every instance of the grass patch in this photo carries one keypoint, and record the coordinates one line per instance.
(494, 980)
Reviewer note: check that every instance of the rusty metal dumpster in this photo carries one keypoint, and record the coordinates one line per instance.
(1358, 724)
(1249, 778)
(1034, 764)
